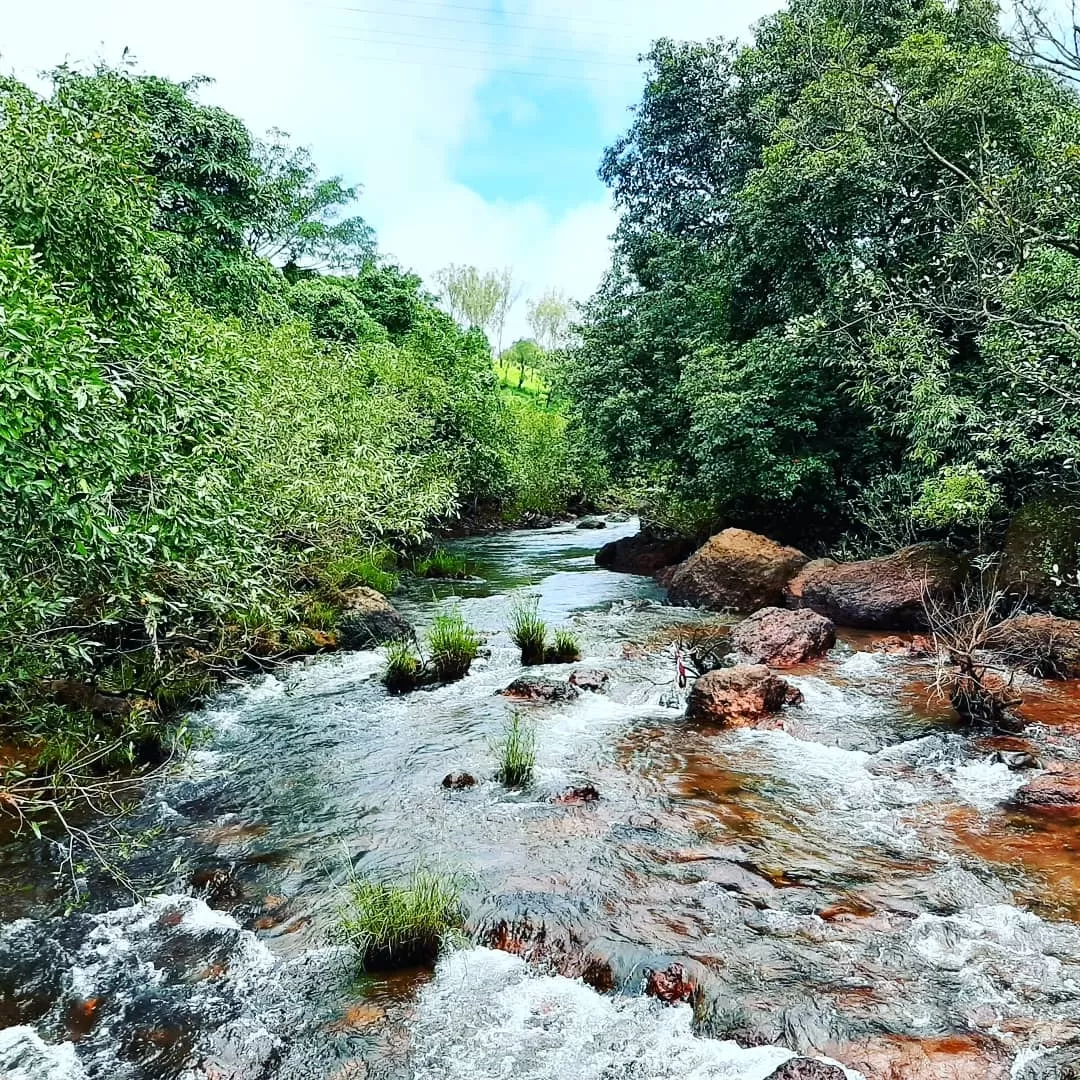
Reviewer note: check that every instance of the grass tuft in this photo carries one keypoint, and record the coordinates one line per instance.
(441, 564)
(452, 646)
(403, 667)
(517, 752)
(395, 926)
(567, 648)
(373, 568)
(527, 630)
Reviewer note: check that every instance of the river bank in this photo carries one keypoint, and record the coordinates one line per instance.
(854, 885)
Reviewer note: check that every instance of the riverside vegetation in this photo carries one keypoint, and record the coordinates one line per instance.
(219, 410)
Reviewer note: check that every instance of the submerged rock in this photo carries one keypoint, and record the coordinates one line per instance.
(1056, 790)
(877, 594)
(368, 619)
(741, 696)
(671, 986)
(456, 781)
(735, 570)
(590, 679)
(800, 1068)
(1060, 1064)
(540, 688)
(1043, 645)
(576, 796)
(642, 554)
(783, 638)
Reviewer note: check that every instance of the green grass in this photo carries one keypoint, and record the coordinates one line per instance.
(567, 648)
(441, 564)
(527, 630)
(373, 569)
(395, 926)
(403, 668)
(452, 646)
(509, 374)
(517, 752)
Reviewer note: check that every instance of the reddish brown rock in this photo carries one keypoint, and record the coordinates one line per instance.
(877, 594)
(783, 638)
(917, 646)
(735, 570)
(541, 689)
(457, 781)
(589, 679)
(1043, 645)
(577, 796)
(671, 986)
(1056, 790)
(807, 1069)
(642, 554)
(742, 696)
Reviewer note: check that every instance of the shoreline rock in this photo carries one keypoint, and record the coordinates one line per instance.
(642, 554)
(368, 620)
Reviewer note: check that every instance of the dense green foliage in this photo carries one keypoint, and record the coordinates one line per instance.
(847, 269)
(191, 417)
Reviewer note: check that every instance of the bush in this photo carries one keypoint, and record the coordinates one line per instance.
(527, 630)
(453, 645)
(516, 752)
(395, 926)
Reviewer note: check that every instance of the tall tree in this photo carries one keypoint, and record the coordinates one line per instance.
(550, 318)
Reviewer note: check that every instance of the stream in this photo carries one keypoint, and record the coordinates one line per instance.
(852, 888)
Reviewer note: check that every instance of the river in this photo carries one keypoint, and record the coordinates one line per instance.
(851, 888)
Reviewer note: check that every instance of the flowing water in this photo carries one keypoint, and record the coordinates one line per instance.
(852, 887)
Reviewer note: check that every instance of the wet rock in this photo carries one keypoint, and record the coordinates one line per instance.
(945, 1057)
(1055, 790)
(368, 619)
(801, 1068)
(1015, 760)
(592, 523)
(741, 696)
(671, 986)
(218, 886)
(1060, 1064)
(731, 877)
(877, 594)
(918, 646)
(783, 638)
(574, 796)
(1043, 645)
(642, 554)
(456, 781)
(73, 694)
(618, 518)
(590, 679)
(735, 570)
(540, 688)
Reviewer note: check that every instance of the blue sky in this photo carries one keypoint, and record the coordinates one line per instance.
(475, 126)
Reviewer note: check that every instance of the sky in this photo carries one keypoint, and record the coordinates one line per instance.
(474, 127)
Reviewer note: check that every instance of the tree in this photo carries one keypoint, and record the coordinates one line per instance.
(475, 299)
(549, 318)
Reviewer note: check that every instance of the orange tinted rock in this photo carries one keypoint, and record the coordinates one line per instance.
(959, 1057)
(742, 696)
(783, 638)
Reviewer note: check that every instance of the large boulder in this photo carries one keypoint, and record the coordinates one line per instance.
(368, 619)
(735, 570)
(878, 594)
(1043, 645)
(782, 638)
(642, 554)
(742, 696)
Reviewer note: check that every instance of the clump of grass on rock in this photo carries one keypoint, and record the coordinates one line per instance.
(566, 650)
(517, 752)
(404, 669)
(527, 630)
(395, 926)
(452, 646)
(441, 564)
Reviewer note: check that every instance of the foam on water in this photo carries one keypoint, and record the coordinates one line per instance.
(485, 1017)
(25, 1056)
(985, 784)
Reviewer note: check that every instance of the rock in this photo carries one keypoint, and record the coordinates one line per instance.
(74, 694)
(218, 886)
(735, 570)
(783, 638)
(576, 796)
(540, 688)
(618, 518)
(368, 619)
(456, 781)
(1054, 790)
(800, 1068)
(592, 523)
(1042, 645)
(671, 986)
(1060, 1064)
(877, 594)
(918, 646)
(642, 554)
(590, 679)
(1043, 534)
(1015, 760)
(739, 696)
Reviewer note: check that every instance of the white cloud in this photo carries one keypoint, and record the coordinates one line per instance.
(385, 98)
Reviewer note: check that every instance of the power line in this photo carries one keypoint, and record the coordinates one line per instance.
(472, 22)
(522, 53)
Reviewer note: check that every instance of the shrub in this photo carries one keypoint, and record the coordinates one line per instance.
(453, 645)
(394, 926)
(517, 752)
(527, 630)
(566, 650)
(403, 667)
